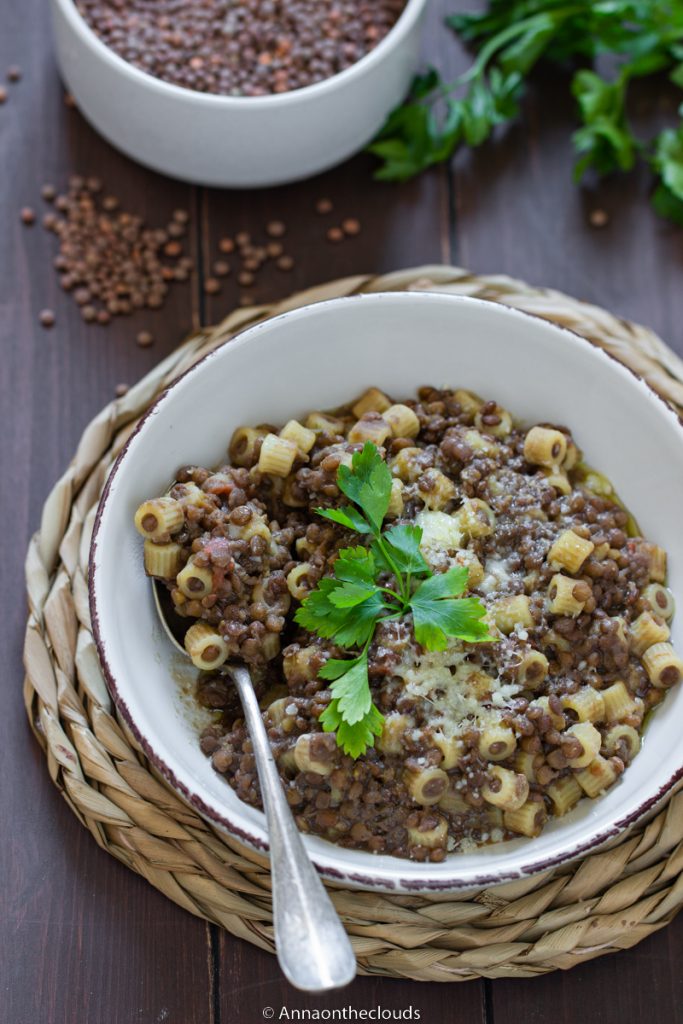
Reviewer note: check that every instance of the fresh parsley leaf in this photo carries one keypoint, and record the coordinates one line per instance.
(352, 691)
(667, 161)
(348, 516)
(348, 595)
(355, 565)
(404, 542)
(367, 482)
(353, 739)
(439, 613)
(605, 140)
(510, 37)
(351, 713)
(347, 606)
(336, 667)
(360, 622)
(348, 625)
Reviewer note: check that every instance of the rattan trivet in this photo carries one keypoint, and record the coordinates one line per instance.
(609, 901)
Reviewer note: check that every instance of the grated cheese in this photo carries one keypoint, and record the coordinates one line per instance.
(441, 536)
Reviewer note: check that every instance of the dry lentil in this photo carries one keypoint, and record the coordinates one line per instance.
(245, 49)
(107, 257)
(598, 218)
(351, 226)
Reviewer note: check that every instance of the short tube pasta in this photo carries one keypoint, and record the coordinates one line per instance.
(159, 518)
(305, 755)
(370, 427)
(590, 741)
(511, 612)
(618, 702)
(565, 793)
(393, 731)
(646, 631)
(505, 789)
(244, 445)
(402, 420)
(300, 580)
(659, 600)
(435, 489)
(565, 596)
(570, 551)
(162, 560)
(451, 748)
(532, 669)
(663, 666)
(396, 504)
(427, 785)
(206, 647)
(623, 741)
(544, 447)
(301, 436)
(372, 400)
(195, 581)
(587, 704)
(476, 518)
(277, 455)
(527, 820)
(500, 429)
(430, 837)
(328, 426)
(497, 742)
(598, 776)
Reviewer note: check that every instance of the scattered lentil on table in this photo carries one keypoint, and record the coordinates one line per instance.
(598, 218)
(108, 259)
(241, 49)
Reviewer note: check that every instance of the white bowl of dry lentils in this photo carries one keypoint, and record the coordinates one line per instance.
(238, 94)
(493, 504)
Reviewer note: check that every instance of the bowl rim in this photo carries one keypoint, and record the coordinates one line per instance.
(397, 33)
(384, 879)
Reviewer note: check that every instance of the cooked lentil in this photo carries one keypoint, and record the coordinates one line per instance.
(480, 742)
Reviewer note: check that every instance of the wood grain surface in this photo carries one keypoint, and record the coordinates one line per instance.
(83, 940)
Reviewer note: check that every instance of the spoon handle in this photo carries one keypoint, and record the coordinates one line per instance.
(313, 949)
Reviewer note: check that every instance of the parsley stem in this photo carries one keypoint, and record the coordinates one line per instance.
(392, 565)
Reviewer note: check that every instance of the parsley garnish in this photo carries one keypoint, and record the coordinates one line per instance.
(644, 36)
(347, 606)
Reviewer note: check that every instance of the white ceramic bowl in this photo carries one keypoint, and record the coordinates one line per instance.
(319, 357)
(227, 141)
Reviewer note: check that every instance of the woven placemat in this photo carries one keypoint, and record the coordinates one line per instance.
(609, 901)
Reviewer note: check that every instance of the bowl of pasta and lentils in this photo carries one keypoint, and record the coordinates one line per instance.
(461, 633)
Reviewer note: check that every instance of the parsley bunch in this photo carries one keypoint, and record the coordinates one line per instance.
(644, 36)
(385, 580)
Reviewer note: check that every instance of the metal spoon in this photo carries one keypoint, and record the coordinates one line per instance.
(312, 947)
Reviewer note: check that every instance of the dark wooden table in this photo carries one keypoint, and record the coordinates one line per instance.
(83, 940)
